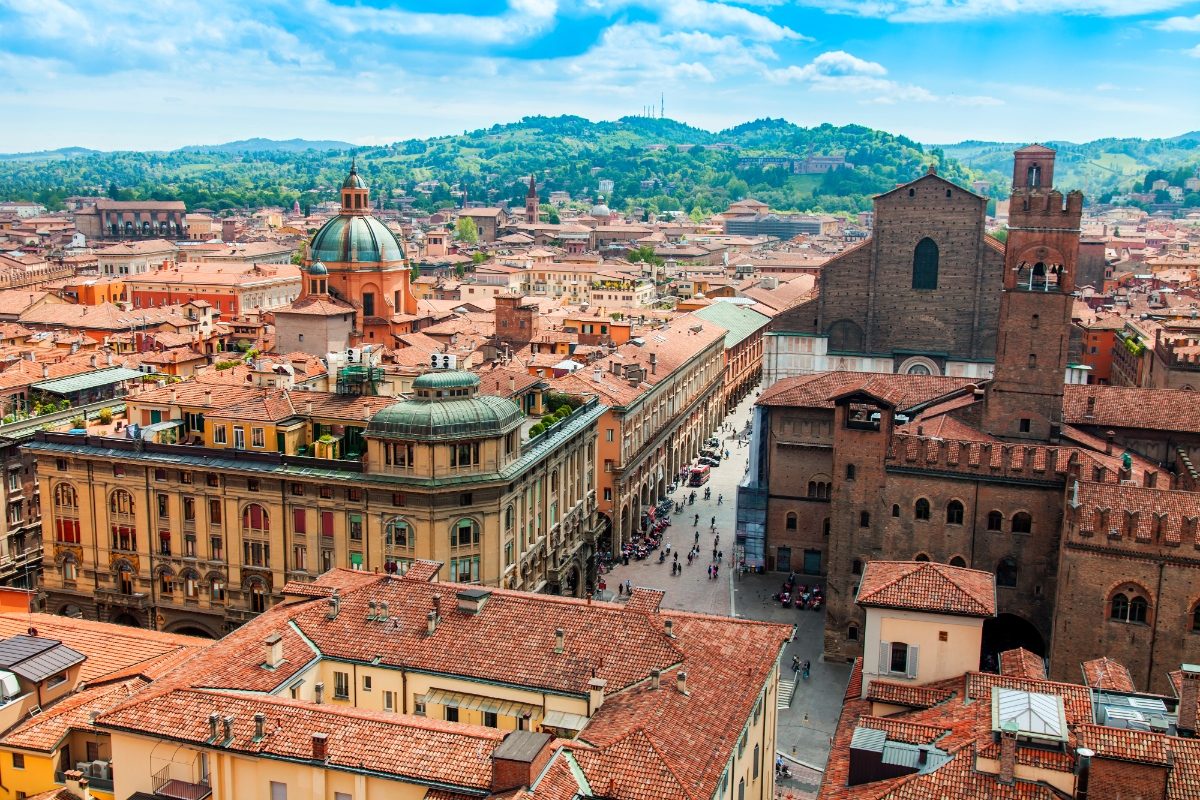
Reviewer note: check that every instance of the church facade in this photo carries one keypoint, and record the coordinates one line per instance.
(918, 297)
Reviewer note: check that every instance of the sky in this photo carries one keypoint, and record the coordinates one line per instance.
(114, 75)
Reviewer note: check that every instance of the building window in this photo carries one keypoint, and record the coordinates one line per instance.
(252, 484)
(856, 567)
(790, 521)
(1022, 522)
(213, 479)
(300, 520)
(66, 514)
(219, 435)
(489, 719)
(1024, 425)
(852, 633)
(954, 513)
(756, 760)
(159, 474)
(920, 557)
(354, 495)
(326, 492)
(995, 520)
(327, 524)
(895, 510)
(18, 760)
(451, 714)
(355, 527)
(398, 535)
(1196, 618)
(1129, 606)
(389, 701)
(925, 265)
(898, 658)
(850, 471)
(1006, 572)
(921, 508)
(958, 561)
(278, 790)
(864, 519)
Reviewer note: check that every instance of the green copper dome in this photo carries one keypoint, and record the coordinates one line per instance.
(449, 379)
(354, 238)
(352, 180)
(318, 269)
(432, 418)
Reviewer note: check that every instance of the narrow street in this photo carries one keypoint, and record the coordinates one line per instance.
(806, 726)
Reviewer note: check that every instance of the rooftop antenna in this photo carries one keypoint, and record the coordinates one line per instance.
(662, 105)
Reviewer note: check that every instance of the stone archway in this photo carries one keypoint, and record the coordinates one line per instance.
(1008, 631)
(128, 620)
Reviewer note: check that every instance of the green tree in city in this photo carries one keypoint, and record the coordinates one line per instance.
(644, 254)
(465, 230)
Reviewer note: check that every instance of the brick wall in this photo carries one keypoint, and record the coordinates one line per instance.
(1123, 780)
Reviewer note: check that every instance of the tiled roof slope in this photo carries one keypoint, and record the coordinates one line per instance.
(1123, 407)
(1021, 663)
(928, 586)
(650, 743)
(1105, 673)
(73, 713)
(905, 694)
(817, 391)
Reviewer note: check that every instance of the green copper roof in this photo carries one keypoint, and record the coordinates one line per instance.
(349, 238)
(429, 419)
(449, 379)
(317, 268)
(738, 321)
(353, 181)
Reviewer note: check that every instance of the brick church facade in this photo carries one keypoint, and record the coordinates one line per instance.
(1081, 500)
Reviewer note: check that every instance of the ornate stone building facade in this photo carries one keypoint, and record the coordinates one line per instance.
(200, 538)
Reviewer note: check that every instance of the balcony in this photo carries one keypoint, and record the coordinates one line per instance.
(115, 597)
(99, 784)
(164, 786)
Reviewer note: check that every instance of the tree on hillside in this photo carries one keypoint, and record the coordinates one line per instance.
(645, 254)
(465, 230)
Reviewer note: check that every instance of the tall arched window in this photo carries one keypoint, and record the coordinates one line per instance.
(995, 520)
(1022, 522)
(256, 530)
(1006, 572)
(464, 550)
(921, 508)
(256, 521)
(958, 561)
(1196, 618)
(954, 513)
(925, 265)
(66, 514)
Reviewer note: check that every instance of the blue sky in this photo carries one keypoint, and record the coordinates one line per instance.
(111, 74)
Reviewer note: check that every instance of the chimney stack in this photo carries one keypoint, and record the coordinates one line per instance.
(1008, 752)
(596, 693)
(214, 720)
(319, 692)
(45, 371)
(208, 398)
(273, 651)
(655, 678)
(681, 682)
(383, 615)
(370, 610)
(670, 626)
(332, 611)
(227, 729)
(1188, 696)
(1108, 442)
(437, 605)
(1083, 769)
(558, 640)
(77, 784)
(320, 746)
(260, 724)
(431, 622)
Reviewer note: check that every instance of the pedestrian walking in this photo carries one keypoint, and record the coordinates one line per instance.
(697, 522)
(689, 559)
(804, 670)
(720, 555)
(697, 536)
(620, 589)
(714, 522)
(717, 540)
(795, 663)
(714, 554)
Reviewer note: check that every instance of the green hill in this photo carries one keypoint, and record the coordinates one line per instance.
(656, 164)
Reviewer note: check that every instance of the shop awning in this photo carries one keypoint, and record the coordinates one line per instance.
(474, 702)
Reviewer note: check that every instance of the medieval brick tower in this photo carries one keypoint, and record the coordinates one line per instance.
(531, 203)
(1024, 399)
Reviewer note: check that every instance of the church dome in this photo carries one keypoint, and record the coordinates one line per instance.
(349, 238)
(601, 210)
(318, 269)
(446, 408)
(353, 181)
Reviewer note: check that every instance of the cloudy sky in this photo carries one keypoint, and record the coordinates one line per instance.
(111, 74)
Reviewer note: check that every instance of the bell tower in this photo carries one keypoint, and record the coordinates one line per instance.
(356, 198)
(1024, 398)
(532, 215)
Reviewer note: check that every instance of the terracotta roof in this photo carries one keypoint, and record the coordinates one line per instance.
(906, 694)
(928, 586)
(1158, 515)
(317, 305)
(1121, 407)
(1022, 663)
(1106, 673)
(73, 713)
(818, 391)
(903, 731)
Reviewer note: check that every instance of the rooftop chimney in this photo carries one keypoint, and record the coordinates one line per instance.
(77, 784)
(1083, 769)
(1188, 696)
(558, 640)
(681, 682)
(319, 692)
(596, 693)
(655, 678)
(1091, 407)
(332, 611)
(273, 651)
(1008, 752)
(437, 605)
(654, 363)
(670, 626)
(1108, 442)
(371, 610)
(45, 371)
(383, 614)
(214, 721)
(227, 730)
(320, 746)
(431, 622)
(207, 397)
(260, 724)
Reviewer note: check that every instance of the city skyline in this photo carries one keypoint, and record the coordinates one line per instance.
(935, 70)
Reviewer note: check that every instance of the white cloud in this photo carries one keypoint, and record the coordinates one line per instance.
(523, 20)
(1193, 52)
(830, 66)
(1187, 24)
(960, 10)
(701, 15)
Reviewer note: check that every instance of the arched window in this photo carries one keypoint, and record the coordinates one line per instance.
(1138, 608)
(790, 521)
(958, 561)
(921, 508)
(398, 535)
(995, 521)
(256, 521)
(66, 514)
(921, 557)
(65, 498)
(1034, 176)
(925, 265)
(850, 471)
(258, 596)
(954, 513)
(1006, 572)
(895, 510)
(852, 633)
(1022, 522)
(1196, 618)
(864, 519)
(120, 503)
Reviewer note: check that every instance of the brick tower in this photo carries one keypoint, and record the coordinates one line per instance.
(532, 215)
(1024, 399)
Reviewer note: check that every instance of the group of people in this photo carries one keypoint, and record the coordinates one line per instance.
(801, 667)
